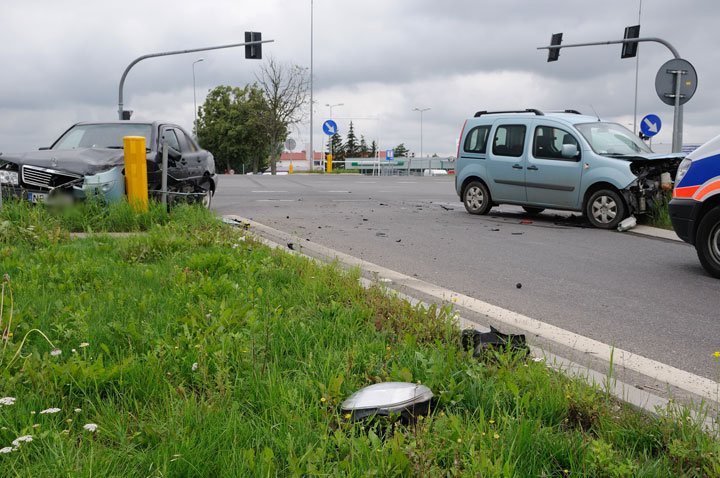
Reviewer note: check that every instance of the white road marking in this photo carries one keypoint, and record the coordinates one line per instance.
(337, 192)
(687, 381)
(268, 191)
(274, 200)
(407, 182)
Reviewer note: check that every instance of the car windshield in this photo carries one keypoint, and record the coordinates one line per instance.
(102, 135)
(612, 139)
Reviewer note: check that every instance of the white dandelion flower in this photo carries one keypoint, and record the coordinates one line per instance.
(7, 449)
(49, 410)
(195, 366)
(25, 438)
(7, 401)
(84, 344)
(78, 410)
(36, 425)
(91, 427)
(74, 351)
(55, 352)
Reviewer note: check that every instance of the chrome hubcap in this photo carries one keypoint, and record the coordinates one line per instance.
(474, 197)
(604, 209)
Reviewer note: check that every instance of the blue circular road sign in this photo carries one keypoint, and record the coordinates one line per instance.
(650, 125)
(330, 127)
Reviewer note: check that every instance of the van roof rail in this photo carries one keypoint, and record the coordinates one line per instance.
(529, 110)
(574, 112)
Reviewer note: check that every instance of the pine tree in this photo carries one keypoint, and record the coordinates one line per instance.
(401, 150)
(335, 145)
(351, 145)
(373, 149)
(363, 147)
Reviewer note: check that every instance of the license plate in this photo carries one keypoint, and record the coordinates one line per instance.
(37, 197)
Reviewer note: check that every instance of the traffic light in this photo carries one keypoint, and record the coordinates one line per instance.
(253, 52)
(629, 49)
(554, 53)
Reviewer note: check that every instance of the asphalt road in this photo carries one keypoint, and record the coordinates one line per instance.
(645, 295)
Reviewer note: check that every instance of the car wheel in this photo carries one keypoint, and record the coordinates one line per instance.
(533, 210)
(207, 199)
(605, 209)
(707, 242)
(477, 198)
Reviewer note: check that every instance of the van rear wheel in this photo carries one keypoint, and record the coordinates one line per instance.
(707, 242)
(605, 209)
(476, 198)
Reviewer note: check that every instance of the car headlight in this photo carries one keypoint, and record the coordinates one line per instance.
(9, 177)
(682, 170)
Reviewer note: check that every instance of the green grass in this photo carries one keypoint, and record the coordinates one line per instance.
(660, 215)
(279, 343)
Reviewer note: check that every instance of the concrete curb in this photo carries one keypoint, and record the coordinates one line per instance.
(655, 232)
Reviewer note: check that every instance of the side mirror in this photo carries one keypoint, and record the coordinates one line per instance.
(173, 153)
(570, 151)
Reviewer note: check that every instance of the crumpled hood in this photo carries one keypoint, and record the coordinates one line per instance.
(85, 161)
(647, 156)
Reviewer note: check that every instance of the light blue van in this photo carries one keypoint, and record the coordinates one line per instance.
(559, 160)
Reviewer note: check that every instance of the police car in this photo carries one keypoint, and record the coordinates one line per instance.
(695, 207)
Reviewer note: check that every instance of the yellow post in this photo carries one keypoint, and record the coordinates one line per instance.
(136, 183)
(329, 163)
(290, 169)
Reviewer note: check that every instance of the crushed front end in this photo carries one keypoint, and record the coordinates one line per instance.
(654, 181)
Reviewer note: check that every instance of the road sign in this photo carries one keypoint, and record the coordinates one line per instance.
(390, 154)
(290, 144)
(330, 127)
(665, 81)
(650, 125)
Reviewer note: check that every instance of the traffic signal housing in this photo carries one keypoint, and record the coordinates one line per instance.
(629, 49)
(554, 53)
(253, 52)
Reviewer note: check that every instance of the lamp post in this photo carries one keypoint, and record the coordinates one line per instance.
(194, 95)
(421, 110)
(331, 107)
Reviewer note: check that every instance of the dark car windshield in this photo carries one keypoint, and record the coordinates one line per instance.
(102, 135)
(612, 138)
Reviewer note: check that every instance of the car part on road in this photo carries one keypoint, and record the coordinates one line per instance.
(627, 224)
(408, 399)
(477, 198)
(605, 209)
(707, 243)
(481, 343)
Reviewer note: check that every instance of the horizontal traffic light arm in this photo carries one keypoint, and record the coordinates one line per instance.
(168, 53)
(614, 42)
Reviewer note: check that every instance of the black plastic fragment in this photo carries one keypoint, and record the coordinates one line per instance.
(480, 343)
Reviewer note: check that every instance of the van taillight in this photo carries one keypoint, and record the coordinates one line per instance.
(461, 137)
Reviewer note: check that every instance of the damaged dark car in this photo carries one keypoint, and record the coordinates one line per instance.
(88, 160)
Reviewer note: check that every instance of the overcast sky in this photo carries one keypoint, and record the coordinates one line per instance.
(62, 61)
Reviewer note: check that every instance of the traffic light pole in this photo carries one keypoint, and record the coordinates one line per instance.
(678, 108)
(168, 53)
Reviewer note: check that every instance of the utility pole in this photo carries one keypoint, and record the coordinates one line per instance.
(421, 110)
(195, 96)
(312, 104)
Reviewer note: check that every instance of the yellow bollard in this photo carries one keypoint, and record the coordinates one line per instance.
(290, 169)
(329, 163)
(136, 183)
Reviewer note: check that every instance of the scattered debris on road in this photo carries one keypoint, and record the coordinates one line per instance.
(518, 285)
(291, 246)
(481, 343)
(627, 224)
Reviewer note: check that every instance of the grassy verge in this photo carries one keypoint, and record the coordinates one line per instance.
(660, 216)
(198, 352)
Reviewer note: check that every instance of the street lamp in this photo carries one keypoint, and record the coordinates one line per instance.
(331, 107)
(194, 96)
(421, 110)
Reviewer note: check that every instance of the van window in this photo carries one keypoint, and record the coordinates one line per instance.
(548, 142)
(509, 140)
(476, 139)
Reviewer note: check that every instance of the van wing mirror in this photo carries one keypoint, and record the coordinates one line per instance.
(570, 151)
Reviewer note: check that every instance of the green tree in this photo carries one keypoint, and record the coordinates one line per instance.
(229, 127)
(285, 90)
(373, 149)
(351, 145)
(401, 150)
(336, 146)
(364, 151)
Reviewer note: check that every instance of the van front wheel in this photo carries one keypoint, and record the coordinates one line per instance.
(477, 198)
(605, 209)
(707, 242)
